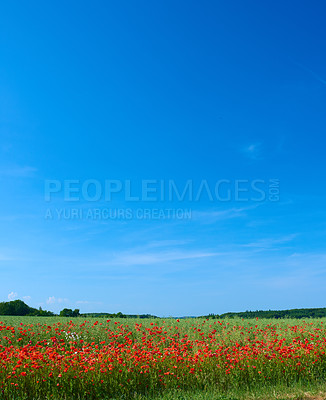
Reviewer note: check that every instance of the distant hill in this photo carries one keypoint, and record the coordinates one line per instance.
(294, 313)
(117, 315)
(18, 307)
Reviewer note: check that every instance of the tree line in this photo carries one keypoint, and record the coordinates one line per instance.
(19, 308)
(297, 313)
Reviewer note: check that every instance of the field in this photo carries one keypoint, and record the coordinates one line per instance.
(57, 358)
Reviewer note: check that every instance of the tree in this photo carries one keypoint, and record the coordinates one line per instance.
(67, 312)
(76, 313)
(16, 307)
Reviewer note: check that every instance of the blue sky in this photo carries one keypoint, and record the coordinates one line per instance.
(209, 92)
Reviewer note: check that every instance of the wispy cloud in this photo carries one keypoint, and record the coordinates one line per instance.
(268, 243)
(297, 269)
(211, 216)
(159, 257)
(253, 151)
(86, 302)
(12, 296)
(316, 76)
(18, 171)
(167, 242)
(54, 300)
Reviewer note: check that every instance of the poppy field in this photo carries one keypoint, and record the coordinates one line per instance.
(58, 358)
